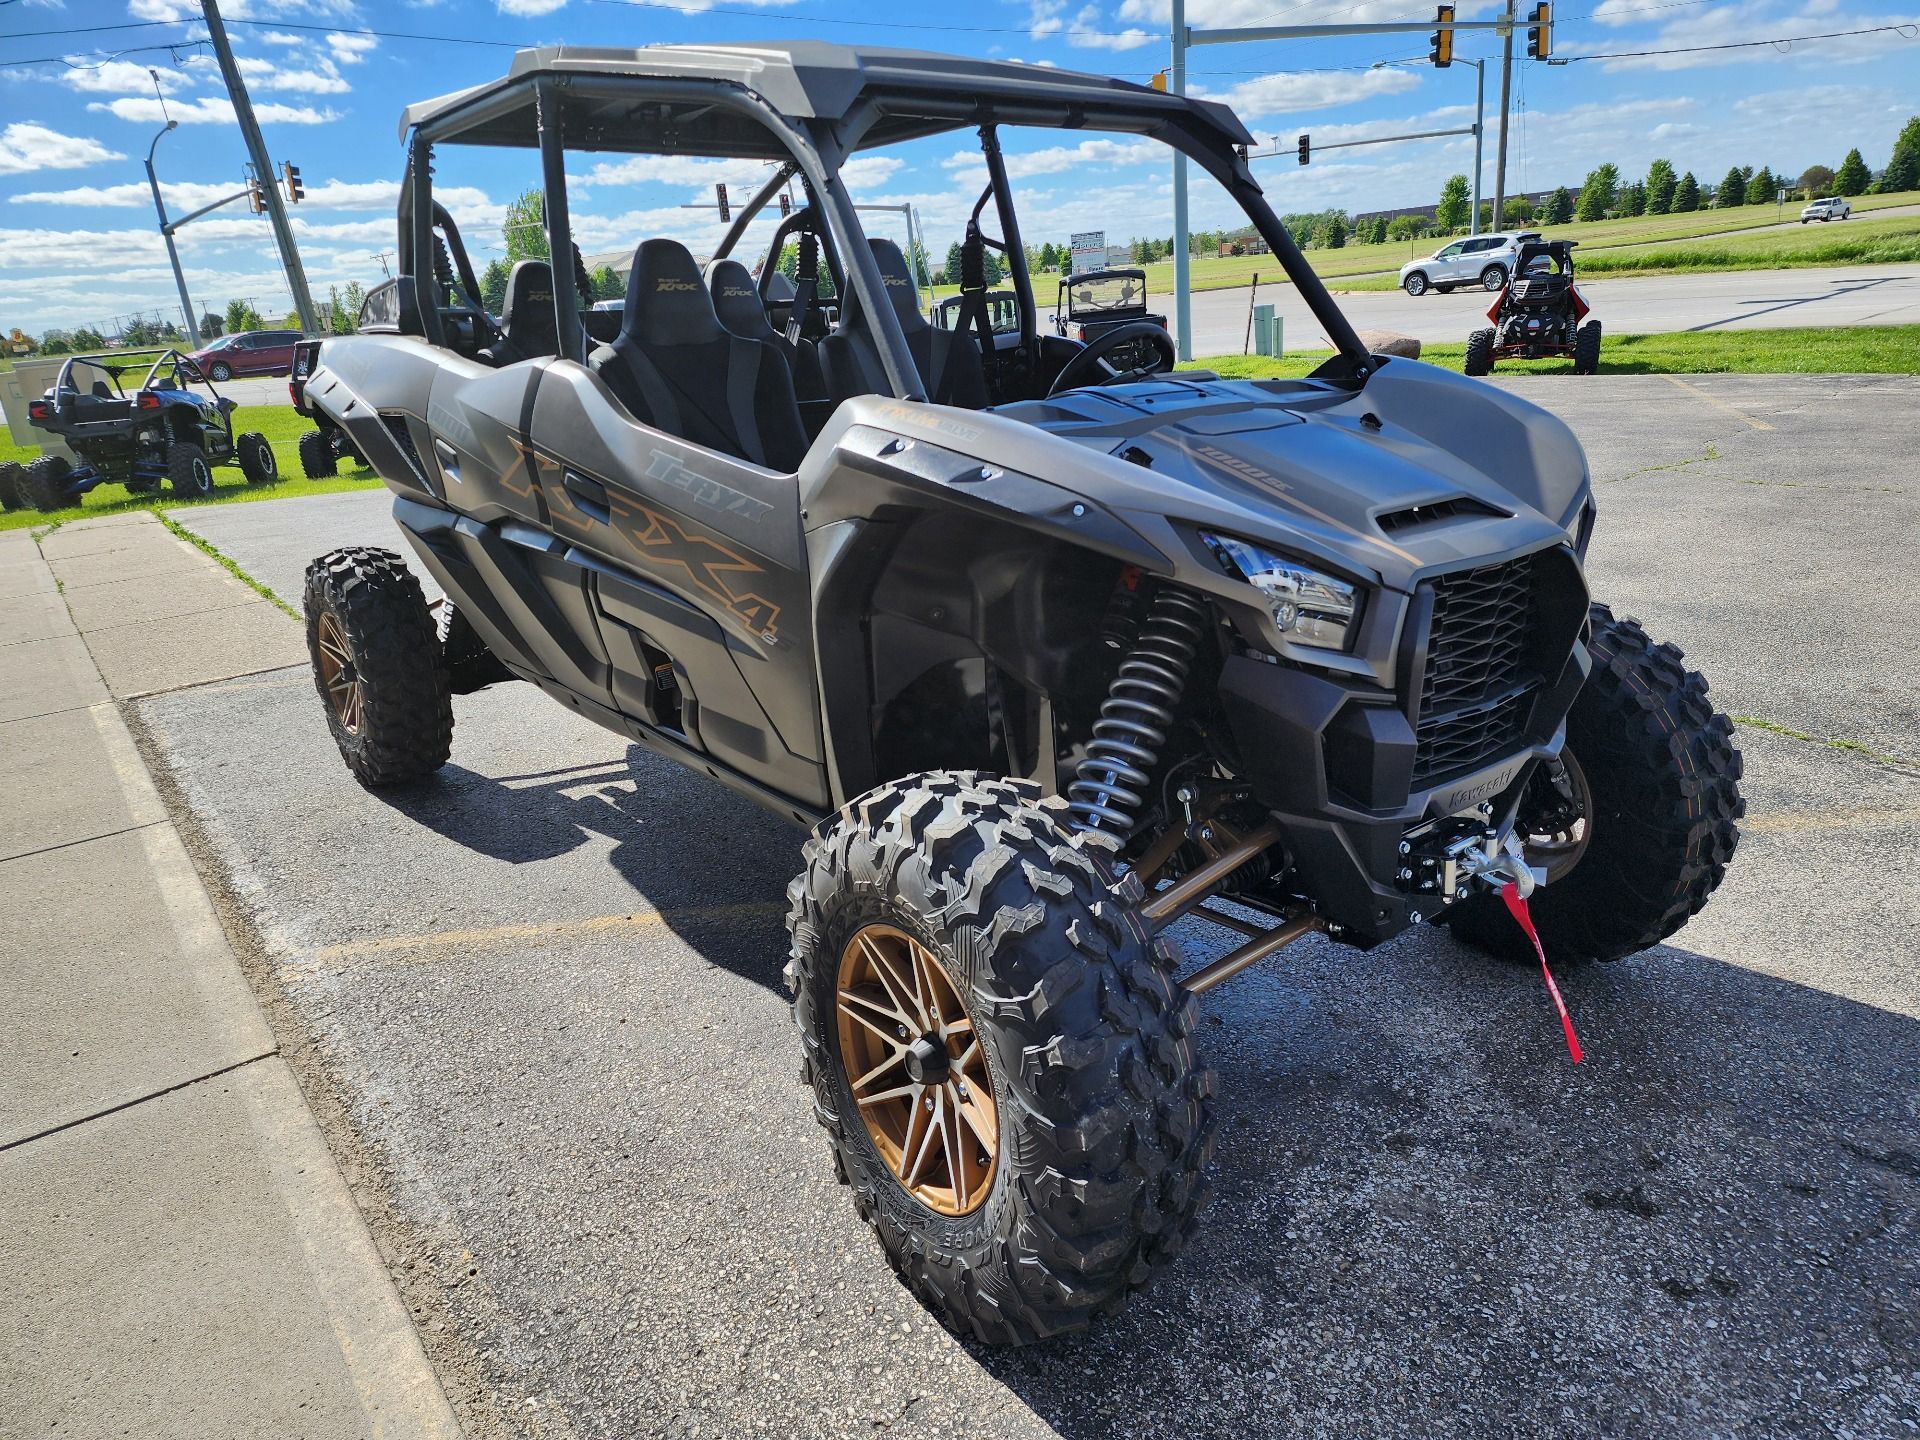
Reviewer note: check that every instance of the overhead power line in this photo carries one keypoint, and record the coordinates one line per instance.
(1909, 30)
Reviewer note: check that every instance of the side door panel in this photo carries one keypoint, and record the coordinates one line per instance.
(715, 546)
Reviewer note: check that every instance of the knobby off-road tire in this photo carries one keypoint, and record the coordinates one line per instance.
(43, 484)
(1663, 782)
(1102, 1106)
(1480, 353)
(257, 462)
(1586, 349)
(316, 456)
(377, 666)
(10, 475)
(188, 472)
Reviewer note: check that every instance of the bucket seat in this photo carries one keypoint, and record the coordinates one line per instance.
(528, 327)
(948, 362)
(736, 300)
(676, 368)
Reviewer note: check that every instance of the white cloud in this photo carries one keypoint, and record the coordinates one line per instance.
(211, 110)
(281, 37)
(352, 49)
(119, 77)
(321, 79)
(530, 7)
(864, 171)
(180, 197)
(1287, 93)
(26, 147)
(1054, 159)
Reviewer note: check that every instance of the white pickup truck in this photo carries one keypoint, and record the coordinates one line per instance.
(1832, 208)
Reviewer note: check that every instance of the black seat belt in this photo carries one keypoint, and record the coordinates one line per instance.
(973, 296)
(806, 285)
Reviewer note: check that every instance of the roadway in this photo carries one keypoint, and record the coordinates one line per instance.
(1640, 305)
(539, 997)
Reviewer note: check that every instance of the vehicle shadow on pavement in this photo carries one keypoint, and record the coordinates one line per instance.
(1438, 1225)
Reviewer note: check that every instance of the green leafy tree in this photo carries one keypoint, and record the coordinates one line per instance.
(493, 285)
(607, 284)
(56, 342)
(1520, 211)
(1558, 209)
(1049, 257)
(242, 316)
(86, 338)
(1661, 183)
(953, 263)
(1455, 207)
(1333, 234)
(1597, 192)
(1686, 195)
(340, 321)
(1732, 190)
(1377, 231)
(525, 227)
(1403, 227)
(354, 297)
(1631, 200)
(1851, 178)
(1902, 173)
(1761, 188)
(212, 327)
(140, 332)
(917, 259)
(1815, 181)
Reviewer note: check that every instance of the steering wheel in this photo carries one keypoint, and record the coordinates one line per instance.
(1090, 365)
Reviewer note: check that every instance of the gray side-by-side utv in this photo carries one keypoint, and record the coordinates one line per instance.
(1048, 651)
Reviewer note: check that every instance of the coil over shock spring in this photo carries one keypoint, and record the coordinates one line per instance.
(1113, 780)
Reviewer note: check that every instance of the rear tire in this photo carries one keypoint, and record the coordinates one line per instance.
(316, 456)
(187, 470)
(10, 475)
(1415, 284)
(377, 666)
(257, 460)
(1100, 1107)
(1662, 783)
(1480, 353)
(1586, 349)
(43, 484)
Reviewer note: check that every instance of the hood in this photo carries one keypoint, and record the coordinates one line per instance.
(1420, 470)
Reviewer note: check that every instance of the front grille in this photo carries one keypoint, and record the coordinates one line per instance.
(1479, 681)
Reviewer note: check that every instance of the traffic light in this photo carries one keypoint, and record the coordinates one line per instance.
(290, 173)
(1540, 32)
(726, 210)
(1159, 81)
(1442, 55)
(1306, 149)
(786, 204)
(256, 196)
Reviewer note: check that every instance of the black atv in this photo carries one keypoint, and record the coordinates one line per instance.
(326, 445)
(1539, 314)
(1044, 655)
(173, 426)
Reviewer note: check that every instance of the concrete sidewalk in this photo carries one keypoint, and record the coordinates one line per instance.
(179, 1255)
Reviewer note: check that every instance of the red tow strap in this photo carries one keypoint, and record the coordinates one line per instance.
(1517, 907)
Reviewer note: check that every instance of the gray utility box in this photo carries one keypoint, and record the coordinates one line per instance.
(28, 380)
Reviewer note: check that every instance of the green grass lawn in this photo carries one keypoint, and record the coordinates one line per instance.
(282, 426)
(1840, 350)
(1599, 240)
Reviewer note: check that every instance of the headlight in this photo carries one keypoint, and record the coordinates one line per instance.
(1308, 607)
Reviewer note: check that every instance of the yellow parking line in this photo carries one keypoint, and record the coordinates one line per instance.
(1792, 822)
(492, 936)
(1717, 403)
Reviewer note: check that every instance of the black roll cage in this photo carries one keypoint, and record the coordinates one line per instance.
(556, 98)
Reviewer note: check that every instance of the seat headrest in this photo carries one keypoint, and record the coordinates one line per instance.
(780, 288)
(529, 297)
(736, 299)
(898, 279)
(667, 301)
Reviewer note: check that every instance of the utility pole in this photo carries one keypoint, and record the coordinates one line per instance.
(1182, 292)
(1506, 91)
(263, 165)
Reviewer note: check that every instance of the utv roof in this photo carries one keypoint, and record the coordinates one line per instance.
(893, 95)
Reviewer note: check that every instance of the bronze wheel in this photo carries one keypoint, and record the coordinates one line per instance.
(338, 675)
(917, 1070)
(1556, 818)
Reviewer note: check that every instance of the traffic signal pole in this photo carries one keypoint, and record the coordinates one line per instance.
(1182, 261)
(1506, 92)
(262, 167)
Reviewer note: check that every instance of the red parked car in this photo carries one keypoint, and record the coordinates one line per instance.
(251, 352)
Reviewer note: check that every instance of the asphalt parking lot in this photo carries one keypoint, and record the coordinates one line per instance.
(537, 1005)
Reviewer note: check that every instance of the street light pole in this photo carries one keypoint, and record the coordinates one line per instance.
(1479, 142)
(166, 233)
(1506, 91)
(1182, 292)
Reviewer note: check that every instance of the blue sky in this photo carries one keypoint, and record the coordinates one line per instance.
(77, 235)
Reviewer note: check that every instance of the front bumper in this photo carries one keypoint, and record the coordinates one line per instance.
(1338, 760)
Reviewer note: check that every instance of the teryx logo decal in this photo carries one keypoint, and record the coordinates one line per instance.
(704, 490)
(710, 566)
